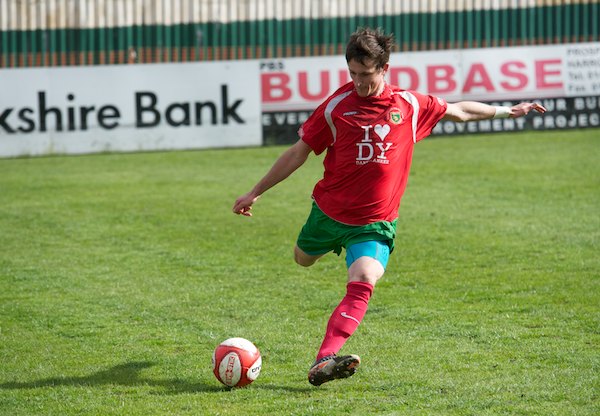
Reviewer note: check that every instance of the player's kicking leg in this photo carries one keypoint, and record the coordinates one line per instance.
(366, 264)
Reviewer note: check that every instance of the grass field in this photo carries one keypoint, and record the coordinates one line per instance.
(119, 274)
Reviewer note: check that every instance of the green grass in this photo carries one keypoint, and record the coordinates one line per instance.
(119, 274)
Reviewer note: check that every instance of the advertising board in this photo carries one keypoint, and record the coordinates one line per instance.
(566, 78)
(75, 110)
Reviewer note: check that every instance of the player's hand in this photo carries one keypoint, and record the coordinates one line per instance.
(243, 205)
(523, 109)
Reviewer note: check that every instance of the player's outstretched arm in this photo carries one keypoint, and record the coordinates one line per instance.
(473, 111)
(284, 166)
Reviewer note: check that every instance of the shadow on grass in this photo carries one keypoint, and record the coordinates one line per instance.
(128, 374)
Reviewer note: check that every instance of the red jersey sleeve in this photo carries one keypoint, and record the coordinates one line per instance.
(315, 131)
(431, 109)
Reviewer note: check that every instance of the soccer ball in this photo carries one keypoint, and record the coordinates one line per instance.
(236, 362)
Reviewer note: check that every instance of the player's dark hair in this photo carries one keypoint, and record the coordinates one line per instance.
(369, 44)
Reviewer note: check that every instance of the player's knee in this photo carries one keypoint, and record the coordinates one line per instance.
(371, 278)
(303, 259)
(366, 269)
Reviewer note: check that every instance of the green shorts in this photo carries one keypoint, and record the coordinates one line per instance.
(322, 234)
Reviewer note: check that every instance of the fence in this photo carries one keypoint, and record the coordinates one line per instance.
(97, 32)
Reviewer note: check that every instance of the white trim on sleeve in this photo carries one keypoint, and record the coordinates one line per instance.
(412, 100)
(329, 109)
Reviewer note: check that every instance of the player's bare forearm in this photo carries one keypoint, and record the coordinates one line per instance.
(473, 111)
(284, 166)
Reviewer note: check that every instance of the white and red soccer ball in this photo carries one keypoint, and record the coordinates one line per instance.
(236, 362)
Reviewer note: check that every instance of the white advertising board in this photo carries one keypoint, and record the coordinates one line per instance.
(515, 73)
(75, 110)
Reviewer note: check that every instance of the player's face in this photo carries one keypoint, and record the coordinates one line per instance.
(368, 79)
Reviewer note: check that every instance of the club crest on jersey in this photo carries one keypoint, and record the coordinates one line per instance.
(395, 116)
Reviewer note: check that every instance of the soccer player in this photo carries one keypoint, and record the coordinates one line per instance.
(368, 129)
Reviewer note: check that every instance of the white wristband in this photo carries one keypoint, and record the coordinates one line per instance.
(502, 112)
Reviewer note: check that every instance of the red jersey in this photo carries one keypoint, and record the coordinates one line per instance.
(369, 143)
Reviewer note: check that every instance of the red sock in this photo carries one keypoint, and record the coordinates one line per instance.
(346, 317)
